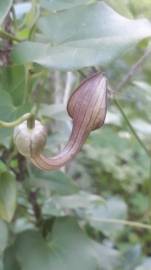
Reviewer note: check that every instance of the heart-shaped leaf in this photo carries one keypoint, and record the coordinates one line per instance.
(66, 248)
(82, 36)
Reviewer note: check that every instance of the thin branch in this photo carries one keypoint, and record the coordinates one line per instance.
(36, 208)
(131, 127)
(133, 69)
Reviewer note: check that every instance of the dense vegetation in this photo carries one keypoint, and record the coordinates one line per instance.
(96, 212)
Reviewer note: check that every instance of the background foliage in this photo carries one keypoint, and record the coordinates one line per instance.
(95, 213)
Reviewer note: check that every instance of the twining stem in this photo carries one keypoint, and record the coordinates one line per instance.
(15, 122)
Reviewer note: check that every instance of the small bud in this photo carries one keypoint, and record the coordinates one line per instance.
(30, 141)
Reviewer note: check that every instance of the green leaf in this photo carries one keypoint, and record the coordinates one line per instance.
(4, 8)
(3, 236)
(3, 167)
(57, 5)
(79, 200)
(114, 153)
(115, 208)
(58, 182)
(1, 264)
(5, 135)
(7, 113)
(62, 204)
(12, 80)
(140, 202)
(13, 93)
(7, 196)
(79, 41)
(10, 261)
(67, 247)
(6, 106)
(77, 25)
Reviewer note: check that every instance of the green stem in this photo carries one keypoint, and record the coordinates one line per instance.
(25, 99)
(131, 127)
(4, 34)
(124, 222)
(31, 122)
(16, 122)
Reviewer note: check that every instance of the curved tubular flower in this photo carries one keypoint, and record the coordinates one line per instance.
(87, 107)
